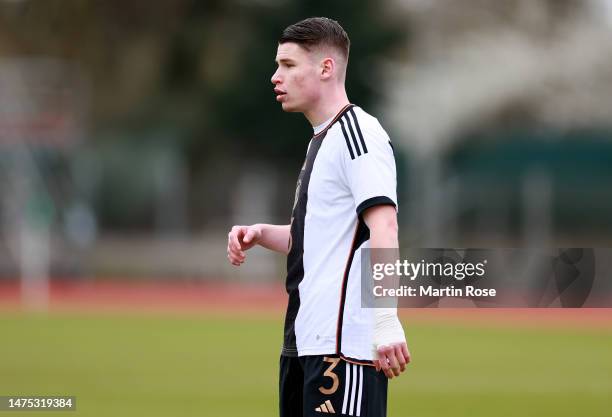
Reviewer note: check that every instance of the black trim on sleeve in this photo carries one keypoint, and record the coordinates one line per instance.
(374, 201)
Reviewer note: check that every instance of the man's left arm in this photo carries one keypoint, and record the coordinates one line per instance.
(389, 340)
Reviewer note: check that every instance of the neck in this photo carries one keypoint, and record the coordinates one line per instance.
(327, 107)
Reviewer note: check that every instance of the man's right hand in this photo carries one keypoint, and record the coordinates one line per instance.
(240, 239)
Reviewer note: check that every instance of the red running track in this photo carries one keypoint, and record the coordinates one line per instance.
(256, 300)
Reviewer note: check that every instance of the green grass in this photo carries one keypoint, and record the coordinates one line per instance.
(209, 366)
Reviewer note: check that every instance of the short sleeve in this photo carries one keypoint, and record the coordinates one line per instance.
(368, 163)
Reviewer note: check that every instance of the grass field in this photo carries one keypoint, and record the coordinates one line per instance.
(211, 365)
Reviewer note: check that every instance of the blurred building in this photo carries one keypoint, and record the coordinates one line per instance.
(505, 109)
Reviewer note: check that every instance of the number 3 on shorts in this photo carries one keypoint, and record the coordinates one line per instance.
(329, 372)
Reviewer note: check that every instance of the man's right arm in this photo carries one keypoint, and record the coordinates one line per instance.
(243, 238)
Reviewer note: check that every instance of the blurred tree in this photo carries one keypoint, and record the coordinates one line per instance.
(192, 75)
(219, 67)
(239, 53)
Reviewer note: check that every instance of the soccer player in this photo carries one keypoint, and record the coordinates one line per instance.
(337, 356)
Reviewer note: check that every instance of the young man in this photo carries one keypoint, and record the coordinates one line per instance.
(334, 350)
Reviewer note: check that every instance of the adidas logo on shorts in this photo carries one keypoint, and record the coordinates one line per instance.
(326, 407)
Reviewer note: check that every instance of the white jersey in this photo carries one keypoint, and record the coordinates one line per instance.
(349, 167)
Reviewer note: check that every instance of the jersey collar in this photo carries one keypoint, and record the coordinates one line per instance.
(334, 120)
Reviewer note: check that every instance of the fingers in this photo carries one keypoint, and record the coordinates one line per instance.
(234, 253)
(235, 257)
(235, 234)
(406, 352)
(384, 356)
(249, 235)
(392, 360)
(401, 360)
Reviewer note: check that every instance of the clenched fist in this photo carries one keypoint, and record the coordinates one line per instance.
(241, 239)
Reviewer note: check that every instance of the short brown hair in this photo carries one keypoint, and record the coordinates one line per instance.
(316, 31)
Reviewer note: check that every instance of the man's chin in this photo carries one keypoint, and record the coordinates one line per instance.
(289, 108)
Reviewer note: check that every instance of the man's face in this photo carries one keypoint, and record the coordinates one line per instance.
(297, 81)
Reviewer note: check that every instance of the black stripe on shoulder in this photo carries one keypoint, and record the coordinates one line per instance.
(346, 139)
(347, 119)
(365, 149)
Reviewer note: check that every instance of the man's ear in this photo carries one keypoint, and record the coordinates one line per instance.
(328, 67)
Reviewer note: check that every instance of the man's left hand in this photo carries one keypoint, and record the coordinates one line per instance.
(392, 359)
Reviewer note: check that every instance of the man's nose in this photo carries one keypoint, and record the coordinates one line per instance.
(275, 78)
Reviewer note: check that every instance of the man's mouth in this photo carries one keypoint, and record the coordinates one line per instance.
(279, 94)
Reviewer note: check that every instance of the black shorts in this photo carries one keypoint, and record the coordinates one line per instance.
(316, 385)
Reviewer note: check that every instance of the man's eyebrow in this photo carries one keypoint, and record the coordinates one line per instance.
(284, 60)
